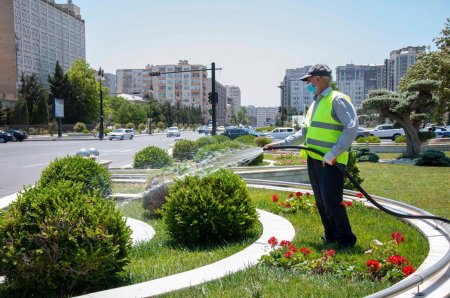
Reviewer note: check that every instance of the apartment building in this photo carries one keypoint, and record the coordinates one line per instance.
(262, 116)
(293, 91)
(234, 98)
(357, 80)
(34, 34)
(403, 59)
(129, 81)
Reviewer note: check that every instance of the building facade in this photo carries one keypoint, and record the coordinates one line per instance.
(34, 34)
(293, 91)
(129, 81)
(403, 59)
(221, 106)
(262, 116)
(234, 98)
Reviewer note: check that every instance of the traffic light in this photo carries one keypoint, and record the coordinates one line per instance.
(210, 111)
(211, 98)
(279, 110)
(155, 73)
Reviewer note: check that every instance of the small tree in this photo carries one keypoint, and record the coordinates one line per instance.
(20, 113)
(407, 109)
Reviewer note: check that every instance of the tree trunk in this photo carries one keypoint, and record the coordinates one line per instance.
(413, 142)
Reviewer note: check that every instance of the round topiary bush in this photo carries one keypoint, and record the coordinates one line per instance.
(426, 135)
(152, 157)
(184, 149)
(59, 241)
(262, 141)
(130, 125)
(203, 141)
(364, 154)
(78, 169)
(141, 127)
(208, 210)
(79, 127)
(370, 139)
(434, 158)
(400, 139)
(247, 139)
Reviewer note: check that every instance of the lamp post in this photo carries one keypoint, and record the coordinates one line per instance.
(281, 86)
(100, 74)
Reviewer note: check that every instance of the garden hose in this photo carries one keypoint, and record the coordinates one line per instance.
(356, 184)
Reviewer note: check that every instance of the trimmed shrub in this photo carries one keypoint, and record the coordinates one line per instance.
(353, 169)
(59, 240)
(369, 139)
(400, 139)
(86, 131)
(117, 125)
(78, 169)
(130, 125)
(79, 127)
(433, 158)
(141, 127)
(213, 209)
(184, 149)
(364, 154)
(152, 157)
(247, 139)
(203, 141)
(220, 139)
(262, 141)
(426, 135)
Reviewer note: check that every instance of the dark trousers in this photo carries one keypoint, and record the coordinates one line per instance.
(328, 186)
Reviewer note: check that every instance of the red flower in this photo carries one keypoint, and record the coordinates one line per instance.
(282, 204)
(372, 265)
(397, 260)
(288, 205)
(398, 237)
(328, 253)
(288, 254)
(305, 251)
(349, 203)
(273, 241)
(291, 195)
(275, 198)
(407, 270)
(307, 193)
(298, 193)
(359, 194)
(292, 248)
(285, 243)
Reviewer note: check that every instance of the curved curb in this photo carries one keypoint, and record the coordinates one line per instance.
(141, 231)
(273, 225)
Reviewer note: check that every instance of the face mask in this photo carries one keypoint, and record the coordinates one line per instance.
(311, 88)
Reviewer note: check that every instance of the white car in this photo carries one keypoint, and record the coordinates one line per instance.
(281, 132)
(387, 131)
(121, 134)
(173, 132)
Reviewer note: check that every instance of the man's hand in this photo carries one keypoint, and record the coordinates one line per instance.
(329, 158)
(268, 146)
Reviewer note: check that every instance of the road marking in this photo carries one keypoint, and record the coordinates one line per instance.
(37, 165)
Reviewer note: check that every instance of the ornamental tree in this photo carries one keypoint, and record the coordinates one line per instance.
(408, 109)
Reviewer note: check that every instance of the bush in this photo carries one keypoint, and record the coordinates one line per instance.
(152, 157)
(203, 141)
(400, 139)
(364, 154)
(247, 139)
(117, 125)
(262, 141)
(78, 169)
(184, 149)
(370, 139)
(213, 149)
(259, 160)
(213, 209)
(79, 127)
(59, 240)
(130, 125)
(352, 168)
(85, 131)
(433, 158)
(426, 135)
(220, 139)
(141, 127)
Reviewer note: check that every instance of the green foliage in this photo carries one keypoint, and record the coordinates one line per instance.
(303, 202)
(130, 125)
(79, 127)
(369, 139)
(433, 158)
(93, 176)
(203, 141)
(59, 84)
(289, 159)
(220, 139)
(214, 149)
(40, 109)
(20, 113)
(426, 135)
(364, 154)
(213, 209)
(52, 127)
(59, 240)
(262, 141)
(259, 160)
(86, 131)
(152, 157)
(246, 139)
(353, 169)
(141, 127)
(400, 139)
(117, 125)
(184, 149)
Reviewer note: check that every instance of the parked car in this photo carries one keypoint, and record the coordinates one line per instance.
(387, 131)
(121, 134)
(281, 132)
(220, 128)
(233, 133)
(202, 129)
(362, 132)
(441, 132)
(17, 135)
(255, 133)
(5, 137)
(173, 132)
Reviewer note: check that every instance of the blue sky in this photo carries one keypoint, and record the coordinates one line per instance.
(254, 42)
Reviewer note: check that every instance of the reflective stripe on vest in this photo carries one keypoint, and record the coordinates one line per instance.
(323, 131)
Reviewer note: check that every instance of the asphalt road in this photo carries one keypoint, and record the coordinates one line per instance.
(22, 163)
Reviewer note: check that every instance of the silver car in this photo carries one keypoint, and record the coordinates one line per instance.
(121, 134)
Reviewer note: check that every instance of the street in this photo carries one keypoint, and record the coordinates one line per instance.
(22, 163)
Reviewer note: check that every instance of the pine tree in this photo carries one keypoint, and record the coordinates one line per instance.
(59, 85)
(20, 113)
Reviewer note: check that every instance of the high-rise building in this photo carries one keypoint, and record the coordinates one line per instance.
(110, 83)
(357, 80)
(234, 96)
(262, 116)
(293, 91)
(34, 34)
(403, 59)
(129, 81)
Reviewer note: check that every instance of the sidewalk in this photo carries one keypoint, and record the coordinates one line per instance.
(65, 137)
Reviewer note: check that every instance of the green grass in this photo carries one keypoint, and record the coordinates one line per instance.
(398, 155)
(424, 187)
(259, 281)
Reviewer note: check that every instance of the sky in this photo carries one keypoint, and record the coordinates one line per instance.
(254, 42)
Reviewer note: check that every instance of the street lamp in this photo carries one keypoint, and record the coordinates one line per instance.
(100, 74)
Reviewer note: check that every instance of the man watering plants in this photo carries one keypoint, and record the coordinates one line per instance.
(330, 126)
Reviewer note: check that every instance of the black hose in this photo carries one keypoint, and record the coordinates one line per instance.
(355, 183)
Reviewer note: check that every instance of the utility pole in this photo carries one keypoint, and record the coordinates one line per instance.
(100, 74)
(215, 98)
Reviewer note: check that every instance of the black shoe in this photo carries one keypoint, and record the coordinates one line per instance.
(324, 239)
(345, 246)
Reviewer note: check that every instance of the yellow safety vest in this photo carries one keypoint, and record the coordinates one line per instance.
(323, 131)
